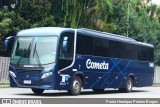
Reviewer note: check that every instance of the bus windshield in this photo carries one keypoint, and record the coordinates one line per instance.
(34, 50)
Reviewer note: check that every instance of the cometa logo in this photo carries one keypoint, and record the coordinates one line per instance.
(96, 65)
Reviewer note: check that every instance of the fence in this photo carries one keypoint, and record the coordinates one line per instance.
(4, 66)
(5, 61)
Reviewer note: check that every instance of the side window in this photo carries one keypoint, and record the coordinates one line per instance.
(128, 51)
(101, 47)
(84, 45)
(114, 47)
(151, 54)
(66, 46)
(147, 54)
(134, 52)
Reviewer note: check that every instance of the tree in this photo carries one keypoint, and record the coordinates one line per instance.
(104, 15)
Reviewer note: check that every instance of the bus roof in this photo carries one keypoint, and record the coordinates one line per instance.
(42, 31)
(48, 31)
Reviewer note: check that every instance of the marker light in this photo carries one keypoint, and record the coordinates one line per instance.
(46, 75)
(12, 74)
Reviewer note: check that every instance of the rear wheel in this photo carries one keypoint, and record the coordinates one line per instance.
(98, 90)
(37, 91)
(76, 86)
(128, 87)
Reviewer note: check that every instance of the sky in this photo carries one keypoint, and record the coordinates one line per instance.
(156, 1)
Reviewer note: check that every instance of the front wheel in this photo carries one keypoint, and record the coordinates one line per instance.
(37, 91)
(76, 86)
(128, 87)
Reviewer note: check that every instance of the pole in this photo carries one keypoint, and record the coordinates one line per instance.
(128, 17)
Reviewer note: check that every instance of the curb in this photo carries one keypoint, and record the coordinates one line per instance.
(7, 86)
(4, 86)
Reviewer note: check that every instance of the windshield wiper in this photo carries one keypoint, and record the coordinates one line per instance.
(37, 55)
(26, 52)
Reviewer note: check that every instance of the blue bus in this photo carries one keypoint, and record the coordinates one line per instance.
(55, 58)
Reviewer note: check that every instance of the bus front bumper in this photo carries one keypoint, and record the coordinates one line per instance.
(32, 82)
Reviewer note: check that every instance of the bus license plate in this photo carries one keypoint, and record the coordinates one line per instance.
(27, 81)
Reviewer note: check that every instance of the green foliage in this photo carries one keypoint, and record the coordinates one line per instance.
(105, 15)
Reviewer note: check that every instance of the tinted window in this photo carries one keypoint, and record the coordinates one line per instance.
(128, 51)
(114, 48)
(151, 54)
(147, 54)
(88, 45)
(84, 45)
(101, 47)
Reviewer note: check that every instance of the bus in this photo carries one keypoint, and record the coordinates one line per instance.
(55, 58)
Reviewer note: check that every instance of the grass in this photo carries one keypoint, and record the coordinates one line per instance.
(2, 84)
(156, 85)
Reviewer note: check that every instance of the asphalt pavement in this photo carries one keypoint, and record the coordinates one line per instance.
(145, 92)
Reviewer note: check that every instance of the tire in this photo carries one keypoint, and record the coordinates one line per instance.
(76, 86)
(37, 91)
(128, 87)
(98, 90)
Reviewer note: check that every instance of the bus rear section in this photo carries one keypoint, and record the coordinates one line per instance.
(112, 61)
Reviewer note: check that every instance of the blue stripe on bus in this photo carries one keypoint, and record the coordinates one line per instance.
(124, 73)
(118, 61)
(120, 73)
(105, 74)
(115, 65)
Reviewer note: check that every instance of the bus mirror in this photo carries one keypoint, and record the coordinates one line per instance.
(8, 44)
(65, 44)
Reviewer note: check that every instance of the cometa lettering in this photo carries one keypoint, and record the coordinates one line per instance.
(96, 65)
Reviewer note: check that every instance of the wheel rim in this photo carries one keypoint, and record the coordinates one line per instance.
(129, 84)
(76, 85)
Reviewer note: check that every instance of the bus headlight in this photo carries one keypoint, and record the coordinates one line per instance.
(12, 74)
(46, 75)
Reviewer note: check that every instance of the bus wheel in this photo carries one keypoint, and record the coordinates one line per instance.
(98, 90)
(76, 86)
(128, 87)
(37, 91)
